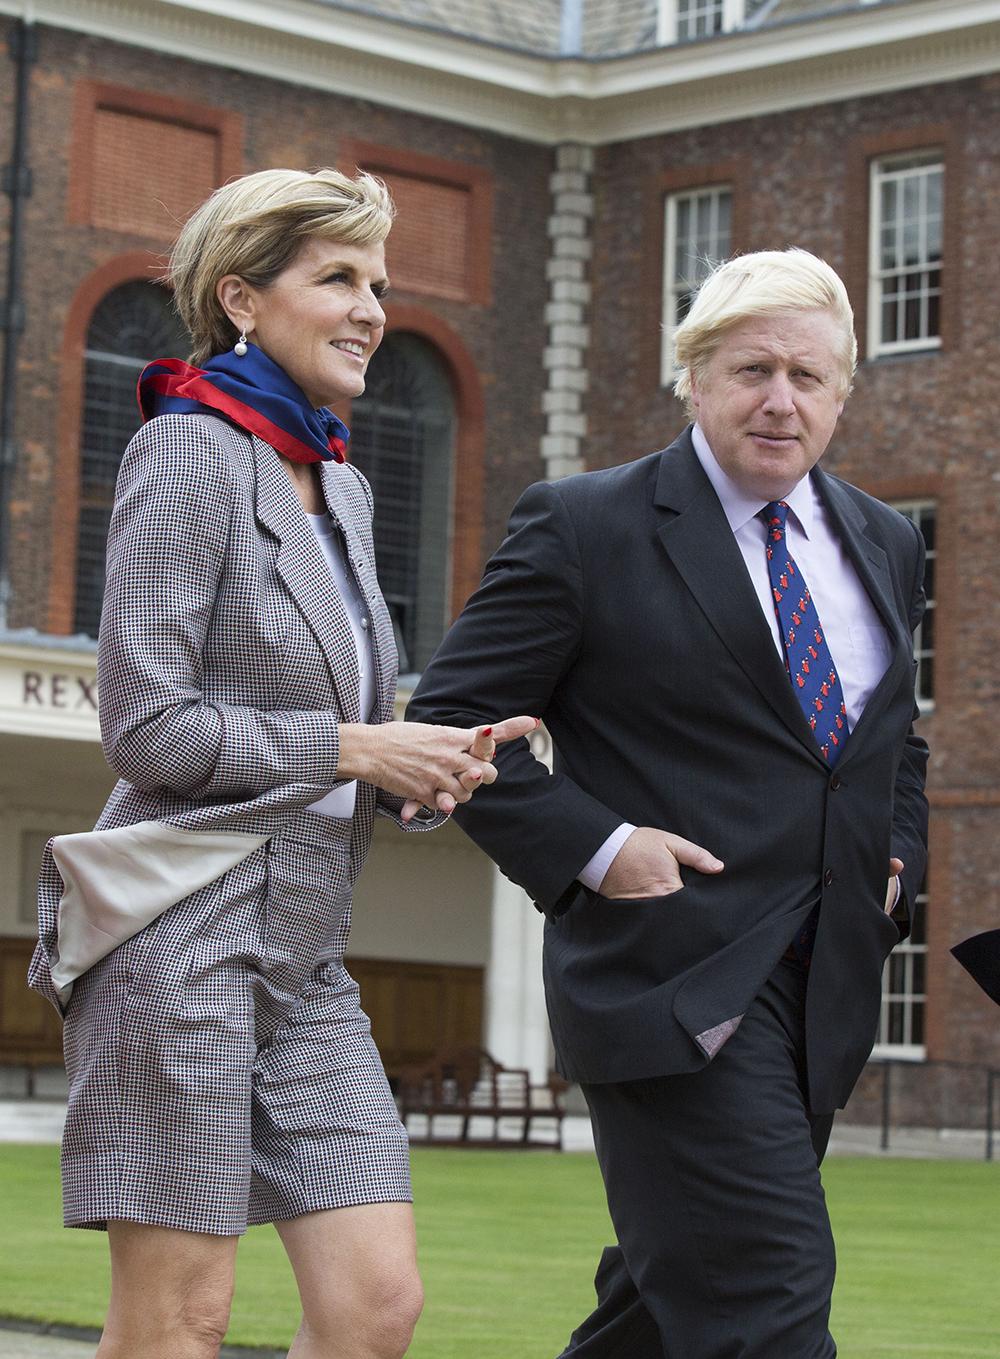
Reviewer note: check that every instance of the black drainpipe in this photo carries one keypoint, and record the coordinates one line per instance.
(23, 49)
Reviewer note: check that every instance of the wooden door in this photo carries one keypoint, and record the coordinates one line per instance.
(418, 1008)
(30, 1029)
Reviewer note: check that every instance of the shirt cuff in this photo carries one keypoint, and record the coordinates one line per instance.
(593, 871)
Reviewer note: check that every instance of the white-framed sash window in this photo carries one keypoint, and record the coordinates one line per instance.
(682, 20)
(905, 253)
(904, 993)
(697, 237)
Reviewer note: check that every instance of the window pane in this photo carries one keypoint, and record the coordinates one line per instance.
(934, 230)
(889, 319)
(699, 18)
(888, 252)
(698, 237)
(927, 629)
(907, 200)
(911, 243)
(919, 983)
(925, 692)
(724, 227)
(911, 198)
(934, 182)
(888, 199)
(911, 323)
(703, 233)
(897, 977)
(901, 1023)
(682, 208)
(934, 315)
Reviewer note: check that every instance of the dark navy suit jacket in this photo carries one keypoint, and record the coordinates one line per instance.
(619, 609)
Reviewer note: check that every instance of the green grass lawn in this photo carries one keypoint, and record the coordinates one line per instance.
(509, 1241)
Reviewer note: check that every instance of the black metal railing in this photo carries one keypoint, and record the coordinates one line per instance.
(969, 1076)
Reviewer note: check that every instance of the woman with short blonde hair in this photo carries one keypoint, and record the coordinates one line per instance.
(254, 227)
(221, 1069)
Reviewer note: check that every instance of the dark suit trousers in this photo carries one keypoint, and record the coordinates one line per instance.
(725, 1249)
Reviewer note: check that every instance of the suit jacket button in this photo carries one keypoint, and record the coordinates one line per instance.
(835, 782)
(828, 877)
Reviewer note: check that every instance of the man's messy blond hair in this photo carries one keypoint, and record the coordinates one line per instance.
(765, 283)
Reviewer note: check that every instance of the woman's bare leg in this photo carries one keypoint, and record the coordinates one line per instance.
(170, 1293)
(356, 1270)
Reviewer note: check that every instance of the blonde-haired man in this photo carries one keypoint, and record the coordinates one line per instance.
(719, 638)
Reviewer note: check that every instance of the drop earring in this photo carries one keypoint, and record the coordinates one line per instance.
(240, 347)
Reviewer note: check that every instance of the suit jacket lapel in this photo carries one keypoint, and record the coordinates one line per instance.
(339, 485)
(872, 566)
(699, 541)
(304, 571)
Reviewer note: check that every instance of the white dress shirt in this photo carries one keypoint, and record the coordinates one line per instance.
(855, 633)
(340, 801)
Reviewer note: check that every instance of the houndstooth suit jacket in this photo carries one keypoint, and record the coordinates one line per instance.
(226, 663)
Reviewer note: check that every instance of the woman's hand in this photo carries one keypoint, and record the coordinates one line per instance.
(430, 766)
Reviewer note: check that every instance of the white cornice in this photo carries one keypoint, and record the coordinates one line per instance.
(860, 52)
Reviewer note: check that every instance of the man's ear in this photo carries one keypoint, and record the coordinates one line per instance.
(237, 301)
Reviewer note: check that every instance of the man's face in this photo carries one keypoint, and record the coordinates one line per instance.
(769, 398)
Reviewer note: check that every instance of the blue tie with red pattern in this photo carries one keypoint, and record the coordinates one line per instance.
(807, 656)
(810, 669)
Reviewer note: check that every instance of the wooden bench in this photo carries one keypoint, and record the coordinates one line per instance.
(465, 1085)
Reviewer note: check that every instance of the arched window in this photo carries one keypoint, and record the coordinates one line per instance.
(402, 436)
(131, 325)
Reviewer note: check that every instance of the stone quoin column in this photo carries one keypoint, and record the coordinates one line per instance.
(565, 356)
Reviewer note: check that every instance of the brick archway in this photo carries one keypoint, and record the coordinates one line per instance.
(470, 442)
(136, 266)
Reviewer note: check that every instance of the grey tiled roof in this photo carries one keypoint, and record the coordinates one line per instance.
(592, 28)
(528, 25)
(614, 26)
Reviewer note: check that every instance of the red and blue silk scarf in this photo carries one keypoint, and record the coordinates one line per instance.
(253, 393)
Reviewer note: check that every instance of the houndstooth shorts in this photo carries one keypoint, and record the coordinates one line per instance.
(222, 1072)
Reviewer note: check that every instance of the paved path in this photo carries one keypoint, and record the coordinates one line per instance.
(41, 1120)
(31, 1345)
(23, 1345)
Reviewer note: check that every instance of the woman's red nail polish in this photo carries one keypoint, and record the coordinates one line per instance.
(486, 731)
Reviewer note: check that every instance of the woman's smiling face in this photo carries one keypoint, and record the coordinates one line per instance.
(321, 319)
